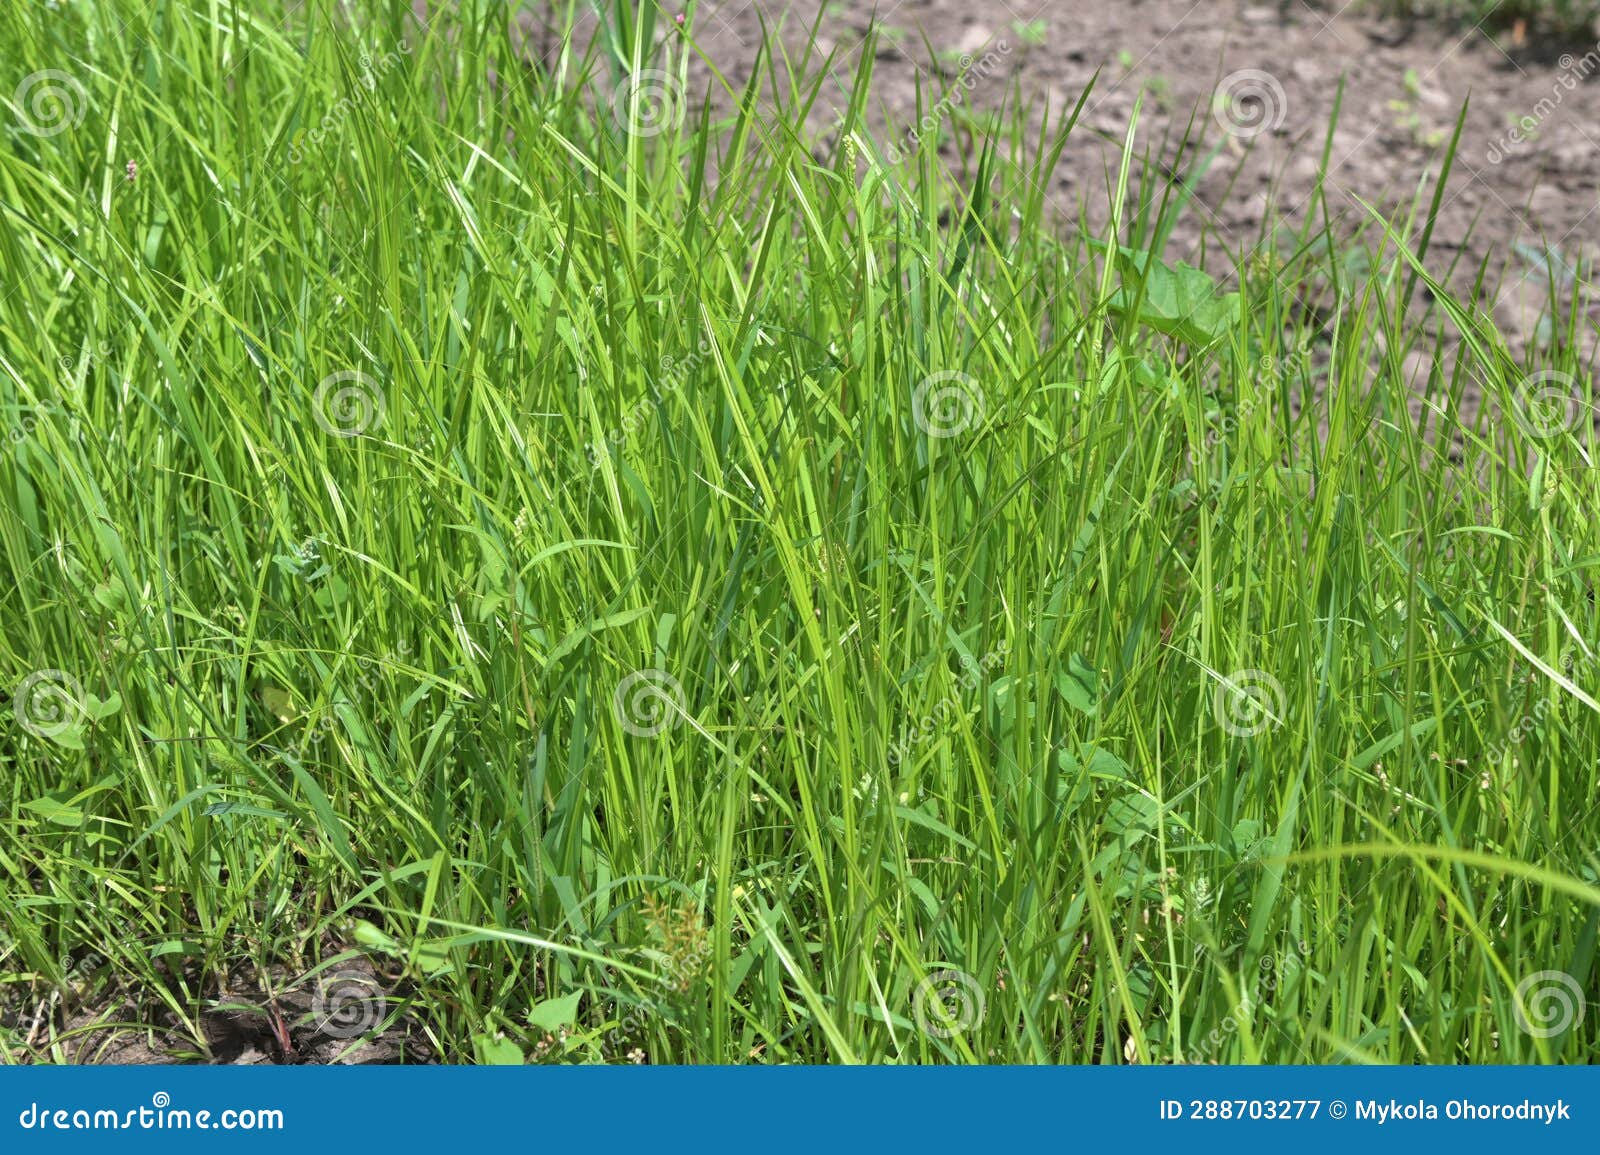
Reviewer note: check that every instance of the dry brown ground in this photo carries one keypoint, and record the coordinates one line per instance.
(1519, 205)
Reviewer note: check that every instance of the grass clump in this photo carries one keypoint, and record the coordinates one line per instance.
(661, 582)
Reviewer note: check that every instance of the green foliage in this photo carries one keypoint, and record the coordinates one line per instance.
(680, 586)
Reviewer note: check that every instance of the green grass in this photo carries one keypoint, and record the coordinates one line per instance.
(1191, 699)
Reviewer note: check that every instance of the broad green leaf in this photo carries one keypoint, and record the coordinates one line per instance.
(1182, 302)
(372, 938)
(55, 811)
(553, 1014)
(496, 1051)
(1079, 684)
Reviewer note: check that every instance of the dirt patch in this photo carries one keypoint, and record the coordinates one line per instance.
(1259, 84)
(349, 1013)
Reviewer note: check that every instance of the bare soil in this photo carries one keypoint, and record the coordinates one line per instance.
(1518, 202)
(346, 1014)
